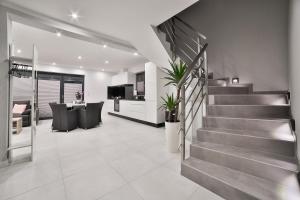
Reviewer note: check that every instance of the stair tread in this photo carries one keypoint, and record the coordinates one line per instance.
(258, 105)
(258, 187)
(283, 162)
(283, 136)
(257, 119)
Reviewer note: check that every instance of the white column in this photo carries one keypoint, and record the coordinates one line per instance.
(5, 39)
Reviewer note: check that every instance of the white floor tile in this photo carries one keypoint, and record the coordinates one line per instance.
(124, 193)
(83, 161)
(52, 191)
(93, 183)
(203, 193)
(24, 179)
(133, 166)
(162, 184)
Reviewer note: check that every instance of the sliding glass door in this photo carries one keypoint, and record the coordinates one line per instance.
(48, 91)
(59, 88)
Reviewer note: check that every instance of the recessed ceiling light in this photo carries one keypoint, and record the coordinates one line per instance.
(74, 15)
(103, 70)
(79, 57)
(106, 62)
(135, 54)
(19, 51)
(54, 63)
(58, 34)
(80, 67)
(104, 46)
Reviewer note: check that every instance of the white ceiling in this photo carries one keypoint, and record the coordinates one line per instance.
(64, 51)
(128, 20)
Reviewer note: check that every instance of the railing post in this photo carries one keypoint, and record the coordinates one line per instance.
(206, 84)
(182, 122)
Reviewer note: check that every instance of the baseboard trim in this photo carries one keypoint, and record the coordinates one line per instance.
(137, 120)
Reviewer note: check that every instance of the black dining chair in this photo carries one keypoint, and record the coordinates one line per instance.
(88, 117)
(100, 111)
(63, 119)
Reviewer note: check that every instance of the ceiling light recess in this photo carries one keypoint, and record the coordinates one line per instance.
(58, 34)
(74, 15)
(79, 57)
(135, 54)
(106, 62)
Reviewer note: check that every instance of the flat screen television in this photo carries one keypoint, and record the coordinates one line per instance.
(120, 91)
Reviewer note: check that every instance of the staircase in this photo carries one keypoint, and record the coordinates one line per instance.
(246, 148)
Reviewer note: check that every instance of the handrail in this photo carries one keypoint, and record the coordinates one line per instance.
(190, 27)
(182, 38)
(190, 68)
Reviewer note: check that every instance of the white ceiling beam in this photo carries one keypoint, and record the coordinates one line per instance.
(38, 20)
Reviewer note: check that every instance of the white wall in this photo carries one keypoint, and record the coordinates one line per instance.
(95, 84)
(294, 62)
(246, 38)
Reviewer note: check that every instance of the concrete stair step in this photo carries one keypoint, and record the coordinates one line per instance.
(265, 165)
(231, 89)
(249, 99)
(250, 111)
(235, 185)
(275, 135)
(218, 82)
(247, 141)
(246, 124)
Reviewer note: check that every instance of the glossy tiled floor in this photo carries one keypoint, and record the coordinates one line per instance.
(120, 160)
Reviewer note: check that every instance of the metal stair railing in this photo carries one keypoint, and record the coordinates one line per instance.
(190, 46)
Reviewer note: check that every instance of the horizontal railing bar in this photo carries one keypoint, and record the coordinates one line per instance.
(181, 40)
(170, 36)
(186, 35)
(188, 99)
(188, 85)
(194, 103)
(193, 118)
(192, 65)
(190, 27)
(182, 51)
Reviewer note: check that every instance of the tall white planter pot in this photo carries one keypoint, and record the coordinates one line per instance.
(172, 136)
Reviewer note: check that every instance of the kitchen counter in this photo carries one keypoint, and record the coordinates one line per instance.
(136, 110)
(130, 99)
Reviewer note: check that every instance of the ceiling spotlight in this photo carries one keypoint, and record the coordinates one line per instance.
(135, 54)
(54, 63)
(106, 62)
(74, 15)
(104, 46)
(58, 34)
(19, 51)
(103, 70)
(80, 67)
(79, 57)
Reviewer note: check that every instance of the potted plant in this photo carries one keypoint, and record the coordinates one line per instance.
(78, 96)
(171, 104)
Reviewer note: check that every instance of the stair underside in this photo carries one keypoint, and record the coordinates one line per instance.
(235, 185)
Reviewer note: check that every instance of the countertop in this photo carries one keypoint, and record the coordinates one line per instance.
(130, 99)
